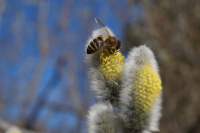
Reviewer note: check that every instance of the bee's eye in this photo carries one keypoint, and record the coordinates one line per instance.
(118, 44)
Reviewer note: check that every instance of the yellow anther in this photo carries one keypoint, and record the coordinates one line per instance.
(111, 65)
(145, 84)
(147, 87)
(109, 70)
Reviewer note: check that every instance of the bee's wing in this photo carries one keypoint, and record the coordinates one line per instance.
(102, 27)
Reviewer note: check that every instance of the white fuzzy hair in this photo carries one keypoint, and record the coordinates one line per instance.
(102, 119)
(137, 57)
(98, 83)
(13, 129)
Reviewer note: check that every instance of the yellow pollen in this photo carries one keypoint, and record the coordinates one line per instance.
(146, 90)
(111, 65)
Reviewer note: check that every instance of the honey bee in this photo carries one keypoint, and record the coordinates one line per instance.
(111, 43)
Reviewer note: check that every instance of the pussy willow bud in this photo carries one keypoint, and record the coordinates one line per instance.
(147, 87)
(13, 129)
(103, 119)
(111, 64)
(105, 68)
(141, 91)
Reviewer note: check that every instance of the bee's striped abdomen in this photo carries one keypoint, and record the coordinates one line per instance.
(91, 48)
(94, 45)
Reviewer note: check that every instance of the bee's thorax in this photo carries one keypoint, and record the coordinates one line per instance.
(111, 42)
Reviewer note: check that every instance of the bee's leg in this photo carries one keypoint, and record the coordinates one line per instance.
(111, 51)
(104, 48)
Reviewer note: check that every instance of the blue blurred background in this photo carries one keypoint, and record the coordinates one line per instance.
(43, 77)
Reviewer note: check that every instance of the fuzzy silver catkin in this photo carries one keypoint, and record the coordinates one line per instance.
(102, 119)
(13, 129)
(132, 112)
(98, 83)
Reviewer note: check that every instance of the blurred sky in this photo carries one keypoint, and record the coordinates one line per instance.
(42, 50)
